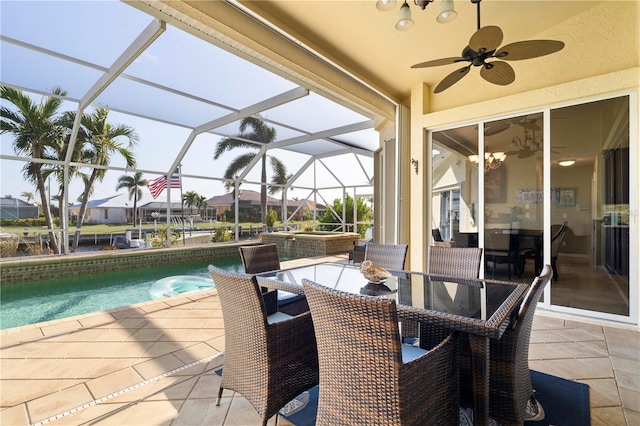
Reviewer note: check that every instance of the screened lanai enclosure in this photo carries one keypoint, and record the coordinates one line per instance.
(181, 100)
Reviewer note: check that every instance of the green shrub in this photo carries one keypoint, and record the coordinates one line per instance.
(272, 217)
(221, 235)
(9, 247)
(159, 238)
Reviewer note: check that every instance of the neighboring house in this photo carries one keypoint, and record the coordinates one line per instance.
(250, 200)
(13, 208)
(114, 209)
(157, 210)
(303, 209)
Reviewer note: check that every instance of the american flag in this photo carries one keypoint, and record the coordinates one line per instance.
(156, 186)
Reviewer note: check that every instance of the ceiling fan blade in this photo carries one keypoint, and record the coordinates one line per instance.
(526, 153)
(498, 72)
(495, 128)
(529, 125)
(451, 79)
(438, 62)
(528, 49)
(486, 39)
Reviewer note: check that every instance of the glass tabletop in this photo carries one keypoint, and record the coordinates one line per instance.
(470, 298)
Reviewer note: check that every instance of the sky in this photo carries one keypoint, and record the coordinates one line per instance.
(97, 32)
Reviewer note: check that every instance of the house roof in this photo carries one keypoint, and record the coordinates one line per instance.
(160, 206)
(115, 201)
(9, 202)
(249, 197)
(246, 196)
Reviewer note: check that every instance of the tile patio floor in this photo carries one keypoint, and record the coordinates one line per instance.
(153, 364)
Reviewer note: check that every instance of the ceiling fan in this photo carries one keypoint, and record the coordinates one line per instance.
(529, 144)
(482, 47)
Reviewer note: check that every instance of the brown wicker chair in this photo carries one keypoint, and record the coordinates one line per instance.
(462, 262)
(268, 359)
(367, 376)
(510, 383)
(260, 258)
(389, 256)
(265, 258)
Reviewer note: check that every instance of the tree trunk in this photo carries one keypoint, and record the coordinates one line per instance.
(135, 207)
(46, 209)
(263, 193)
(83, 208)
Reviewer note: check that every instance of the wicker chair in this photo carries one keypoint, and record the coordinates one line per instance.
(510, 382)
(265, 258)
(367, 376)
(462, 262)
(389, 256)
(269, 359)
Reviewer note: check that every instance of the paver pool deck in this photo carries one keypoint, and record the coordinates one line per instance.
(153, 363)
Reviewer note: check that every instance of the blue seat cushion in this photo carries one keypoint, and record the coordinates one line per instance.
(277, 317)
(284, 297)
(409, 352)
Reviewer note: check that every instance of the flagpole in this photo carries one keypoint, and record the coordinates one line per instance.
(168, 187)
(181, 202)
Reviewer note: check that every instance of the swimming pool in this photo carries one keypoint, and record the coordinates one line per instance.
(37, 301)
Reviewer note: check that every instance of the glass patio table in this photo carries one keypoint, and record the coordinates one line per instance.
(480, 308)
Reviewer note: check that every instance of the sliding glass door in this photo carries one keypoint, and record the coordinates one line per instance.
(590, 189)
(546, 187)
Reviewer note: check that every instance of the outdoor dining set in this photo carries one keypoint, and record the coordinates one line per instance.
(401, 347)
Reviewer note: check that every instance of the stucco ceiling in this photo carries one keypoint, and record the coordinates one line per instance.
(363, 40)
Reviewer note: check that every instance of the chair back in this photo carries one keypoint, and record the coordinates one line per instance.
(463, 262)
(389, 256)
(556, 239)
(244, 312)
(528, 305)
(260, 258)
(354, 334)
(510, 356)
(363, 379)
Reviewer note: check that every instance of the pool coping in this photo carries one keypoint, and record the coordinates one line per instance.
(78, 322)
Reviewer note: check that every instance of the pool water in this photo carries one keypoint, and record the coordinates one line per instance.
(37, 301)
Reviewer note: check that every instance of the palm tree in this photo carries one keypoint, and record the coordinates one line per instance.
(261, 134)
(134, 185)
(35, 129)
(101, 141)
(27, 195)
(201, 204)
(58, 152)
(190, 199)
(279, 179)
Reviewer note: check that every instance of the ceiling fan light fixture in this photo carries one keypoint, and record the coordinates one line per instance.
(404, 18)
(447, 12)
(499, 156)
(567, 163)
(492, 160)
(385, 5)
(422, 4)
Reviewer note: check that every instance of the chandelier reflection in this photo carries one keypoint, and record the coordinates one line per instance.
(492, 160)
